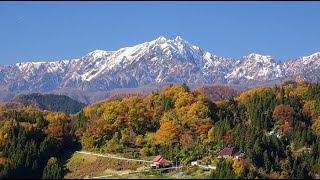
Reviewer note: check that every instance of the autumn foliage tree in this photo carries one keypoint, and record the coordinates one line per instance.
(167, 134)
(186, 138)
(227, 138)
(56, 132)
(316, 127)
(238, 166)
(284, 112)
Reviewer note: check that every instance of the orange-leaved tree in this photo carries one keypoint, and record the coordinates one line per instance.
(167, 133)
(283, 112)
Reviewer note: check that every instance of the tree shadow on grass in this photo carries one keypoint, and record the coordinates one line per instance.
(67, 154)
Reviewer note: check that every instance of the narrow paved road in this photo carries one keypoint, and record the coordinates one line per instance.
(112, 156)
(208, 167)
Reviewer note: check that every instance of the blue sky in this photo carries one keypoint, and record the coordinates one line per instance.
(46, 31)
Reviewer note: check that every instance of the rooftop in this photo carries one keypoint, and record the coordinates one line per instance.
(228, 151)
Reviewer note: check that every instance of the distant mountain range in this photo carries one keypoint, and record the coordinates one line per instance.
(148, 66)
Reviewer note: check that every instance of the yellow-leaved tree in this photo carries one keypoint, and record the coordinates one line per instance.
(316, 126)
(238, 166)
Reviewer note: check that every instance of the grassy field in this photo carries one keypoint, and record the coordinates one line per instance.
(87, 166)
(83, 166)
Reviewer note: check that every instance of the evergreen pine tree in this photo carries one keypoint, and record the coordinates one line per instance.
(52, 169)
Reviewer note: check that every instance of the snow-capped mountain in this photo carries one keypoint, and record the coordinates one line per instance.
(307, 67)
(255, 67)
(158, 61)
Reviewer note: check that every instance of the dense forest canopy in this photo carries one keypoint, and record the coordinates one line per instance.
(178, 124)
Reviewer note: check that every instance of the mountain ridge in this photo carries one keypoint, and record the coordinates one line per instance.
(157, 61)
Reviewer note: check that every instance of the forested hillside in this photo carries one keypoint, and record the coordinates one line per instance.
(32, 141)
(50, 102)
(178, 124)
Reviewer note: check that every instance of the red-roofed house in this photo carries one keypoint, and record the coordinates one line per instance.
(159, 161)
(157, 158)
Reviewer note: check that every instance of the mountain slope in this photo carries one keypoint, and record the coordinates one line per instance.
(255, 67)
(307, 67)
(91, 77)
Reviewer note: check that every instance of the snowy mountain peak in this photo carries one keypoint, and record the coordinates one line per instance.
(178, 38)
(179, 41)
(312, 56)
(160, 39)
(259, 57)
(98, 54)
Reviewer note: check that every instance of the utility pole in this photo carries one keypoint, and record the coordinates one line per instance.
(176, 163)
